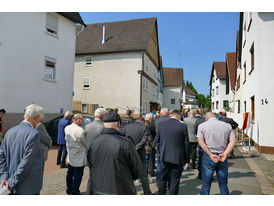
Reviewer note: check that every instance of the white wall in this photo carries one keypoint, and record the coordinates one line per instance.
(260, 82)
(172, 93)
(221, 83)
(23, 47)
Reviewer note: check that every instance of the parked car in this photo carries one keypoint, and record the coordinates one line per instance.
(52, 126)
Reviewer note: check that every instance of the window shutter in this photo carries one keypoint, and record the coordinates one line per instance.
(52, 22)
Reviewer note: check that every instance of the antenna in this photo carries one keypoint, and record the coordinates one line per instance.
(104, 35)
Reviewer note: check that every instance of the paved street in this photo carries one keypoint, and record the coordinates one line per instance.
(242, 179)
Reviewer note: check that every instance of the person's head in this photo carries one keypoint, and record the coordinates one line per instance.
(149, 117)
(68, 115)
(175, 114)
(210, 115)
(164, 111)
(198, 113)
(128, 113)
(141, 120)
(224, 114)
(148, 123)
(191, 113)
(112, 120)
(33, 114)
(99, 113)
(220, 113)
(116, 110)
(78, 119)
(2, 111)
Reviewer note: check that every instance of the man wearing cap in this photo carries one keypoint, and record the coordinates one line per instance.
(113, 160)
(61, 139)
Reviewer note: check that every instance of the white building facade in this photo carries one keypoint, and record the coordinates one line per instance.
(37, 53)
(189, 99)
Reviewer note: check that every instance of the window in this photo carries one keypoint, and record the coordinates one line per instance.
(145, 84)
(86, 83)
(213, 78)
(52, 24)
(84, 108)
(252, 58)
(49, 70)
(239, 106)
(212, 92)
(217, 105)
(94, 107)
(253, 108)
(244, 35)
(238, 83)
(250, 20)
(88, 61)
(147, 62)
(245, 105)
(225, 103)
(212, 105)
(217, 90)
(172, 101)
(244, 72)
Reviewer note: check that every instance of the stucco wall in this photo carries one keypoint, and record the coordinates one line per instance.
(23, 47)
(172, 93)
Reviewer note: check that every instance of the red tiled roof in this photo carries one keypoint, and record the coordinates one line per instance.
(173, 77)
(189, 91)
(231, 66)
(220, 68)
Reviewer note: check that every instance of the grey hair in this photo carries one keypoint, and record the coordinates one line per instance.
(33, 110)
(191, 112)
(148, 116)
(164, 110)
(68, 114)
(78, 116)
(100, 111)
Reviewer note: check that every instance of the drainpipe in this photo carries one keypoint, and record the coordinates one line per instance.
(82, 29)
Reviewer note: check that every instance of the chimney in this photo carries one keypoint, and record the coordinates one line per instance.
(104, 35)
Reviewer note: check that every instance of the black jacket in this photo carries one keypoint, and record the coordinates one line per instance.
(113, 163)
(172, 142)
(139, 133)
(154, 127)
(230, 121)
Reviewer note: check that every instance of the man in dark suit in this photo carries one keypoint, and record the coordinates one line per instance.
(233, 124)
(173, 143)
(138, 132)
(21, 163)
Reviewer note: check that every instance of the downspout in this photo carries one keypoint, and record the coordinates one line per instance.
(141, 84)
(82, 29)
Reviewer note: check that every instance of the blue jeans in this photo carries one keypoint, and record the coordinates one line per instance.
(74, 179)
(62, 149)
(147, 162)
(158, 169)
(170, 175)
(221, 169)
(200, 159)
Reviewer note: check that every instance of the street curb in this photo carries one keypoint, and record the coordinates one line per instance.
(265, 186)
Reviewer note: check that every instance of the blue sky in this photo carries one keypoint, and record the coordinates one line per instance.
(200, 37)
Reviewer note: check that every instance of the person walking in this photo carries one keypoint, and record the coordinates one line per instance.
(127, 119)
(139, 133)
(217, 140)
(173, 144)
(2, 112)
(234, 125)
(113, 160)
(164, 116)
(45, 141)
(76, 147)
(62, 150)
(21, 164)
(190, 122)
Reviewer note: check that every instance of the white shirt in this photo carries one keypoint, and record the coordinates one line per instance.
(76, 145)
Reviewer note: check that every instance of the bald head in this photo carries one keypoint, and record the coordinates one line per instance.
(210, 115)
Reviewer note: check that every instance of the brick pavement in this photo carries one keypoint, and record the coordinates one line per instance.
(242, 180)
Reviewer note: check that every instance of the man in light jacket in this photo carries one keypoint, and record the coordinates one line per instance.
(76, 147)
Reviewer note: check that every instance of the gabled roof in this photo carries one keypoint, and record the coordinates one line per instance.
(131, 35)
(189, 91)
(73, 16)
(173, 77)
(220, 68)
(231, 62)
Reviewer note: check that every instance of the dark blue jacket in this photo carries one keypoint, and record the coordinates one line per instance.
(172, 142)
(61, 130)
(21, 160)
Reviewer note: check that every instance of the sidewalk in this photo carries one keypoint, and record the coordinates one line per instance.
(244, 179)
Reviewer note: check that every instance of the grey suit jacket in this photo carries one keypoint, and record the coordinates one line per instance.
(93, 130)
(45, 140)
(21, 160)
(190, 122)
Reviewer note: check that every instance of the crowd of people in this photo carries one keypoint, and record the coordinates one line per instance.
(120, 151)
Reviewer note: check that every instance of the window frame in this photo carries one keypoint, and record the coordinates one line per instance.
(252, 102)
(86, 88)
(84, 112)
(54, 33)
(52, 60)
(244, 34)
(244, 73)
(94, 108)
(250, 20)
(172, 101)
(88, 65)
(252, 60)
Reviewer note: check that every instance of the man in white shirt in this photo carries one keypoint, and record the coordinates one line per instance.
(76, 147)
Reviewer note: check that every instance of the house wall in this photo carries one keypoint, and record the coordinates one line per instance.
(172, 93)
(260, 81)
(114, 80)
(221, 83)
(23, 47)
